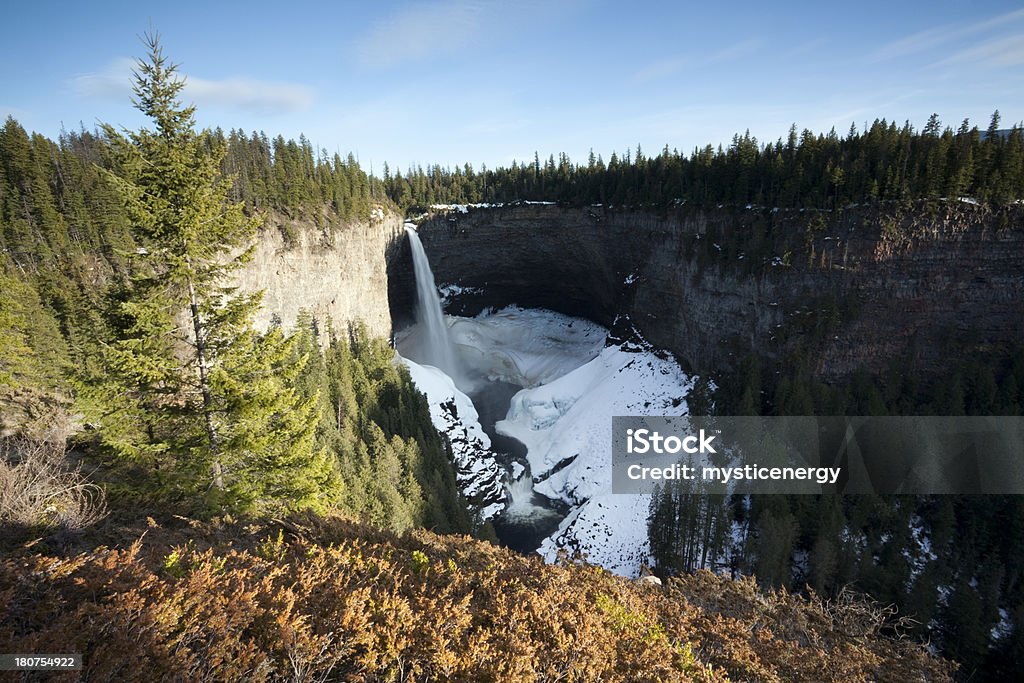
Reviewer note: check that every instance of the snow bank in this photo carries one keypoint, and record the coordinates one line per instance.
(608, 530)
(566, 427)
(479, 476)
(527, 347)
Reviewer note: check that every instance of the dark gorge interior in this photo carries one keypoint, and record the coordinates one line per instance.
(857, 288)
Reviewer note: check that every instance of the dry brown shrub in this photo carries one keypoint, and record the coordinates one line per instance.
(318, 600)
(40, 490)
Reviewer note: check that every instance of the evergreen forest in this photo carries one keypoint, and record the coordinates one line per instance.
(115, 246)
(883, 161)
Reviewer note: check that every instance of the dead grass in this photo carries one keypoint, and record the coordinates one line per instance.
(328, 600)
(40, 490)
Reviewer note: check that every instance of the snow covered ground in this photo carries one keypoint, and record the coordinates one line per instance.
(480, 477)
(574, 385)
(527, 347)
(566, 427)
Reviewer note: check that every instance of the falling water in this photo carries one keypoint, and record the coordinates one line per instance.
(523, 505)
(437, 349)
(530, 517)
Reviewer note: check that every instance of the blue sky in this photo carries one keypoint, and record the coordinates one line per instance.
(455, 81)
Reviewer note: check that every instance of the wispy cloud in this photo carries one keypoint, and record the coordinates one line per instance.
(260, 97)
(734, 51)
(1007, 51)
(804, 48)
(942, 35)
(669, 67)
(660, 69)
(16, 112)
(114, 81)
(864, 104)
(424, 30)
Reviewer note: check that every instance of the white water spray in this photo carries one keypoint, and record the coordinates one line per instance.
(521, 507)
(437, 345)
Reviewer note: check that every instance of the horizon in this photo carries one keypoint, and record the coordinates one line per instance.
(455, 82)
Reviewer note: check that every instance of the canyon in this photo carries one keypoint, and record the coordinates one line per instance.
(893, 283)
(896, 283)
(859, 289)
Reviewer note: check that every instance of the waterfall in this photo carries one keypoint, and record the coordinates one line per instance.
(521, 506)
(437, 349)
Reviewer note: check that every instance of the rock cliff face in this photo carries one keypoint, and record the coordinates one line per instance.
(708, 285)
(343, 276)
(864, 285)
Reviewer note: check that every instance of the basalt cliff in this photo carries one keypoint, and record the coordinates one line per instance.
(859, 287)
(339, 274)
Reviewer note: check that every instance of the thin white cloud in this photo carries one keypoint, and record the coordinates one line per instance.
(660, 69)
(1008, 51)
(112, 82)
(260, 97)
(936, 37)
(669, 67)
(864, 105)
(804, 48)
(734, 52)
(15, 112)
(424, 30)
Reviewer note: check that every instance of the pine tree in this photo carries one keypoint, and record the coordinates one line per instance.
(17, 357)
(194, 384)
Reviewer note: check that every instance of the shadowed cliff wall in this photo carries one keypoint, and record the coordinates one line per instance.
(709, 285)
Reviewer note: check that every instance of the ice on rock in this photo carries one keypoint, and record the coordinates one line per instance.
(527, 347)
(477, 472)
(574, 386)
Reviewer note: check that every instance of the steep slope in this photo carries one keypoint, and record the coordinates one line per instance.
(477, 472)
(341, 274)
(316, 599)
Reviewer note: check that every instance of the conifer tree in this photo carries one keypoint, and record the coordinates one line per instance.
(16, 354)
(195, 387)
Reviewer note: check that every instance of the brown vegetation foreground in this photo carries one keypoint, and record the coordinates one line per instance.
(328, 600)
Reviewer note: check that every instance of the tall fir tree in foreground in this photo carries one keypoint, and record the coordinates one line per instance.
(194, 391)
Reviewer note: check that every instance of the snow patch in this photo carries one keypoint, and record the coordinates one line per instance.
(477, 472)
(453, 290)
(921, 553)
(1004, 629)
(608, 530)
(463, 208)
(565, 426)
